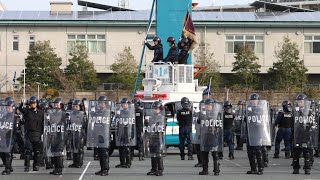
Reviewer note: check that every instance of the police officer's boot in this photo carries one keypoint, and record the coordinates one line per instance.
(295, 171)
(276, 154)
(153, 170)
(69, 156)
(287, 154)
(48, 163)
(101, 165)
(216, 164)
(231, 155)
(128, 161)
(190, 156)
(7, 164)
(75, 161)
(26, 163)
(253, 166)
(141, 158)
(54, 162)
(160, 166)
(205, 161)
(95, 154)
(60, 166)
(220, 155)
(36, 161)
(260, 162)
(104, 167)
(81, 154)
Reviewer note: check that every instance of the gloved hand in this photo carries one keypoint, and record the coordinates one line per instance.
(145, 41)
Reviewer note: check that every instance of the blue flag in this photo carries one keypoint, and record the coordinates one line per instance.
(14, 77)
(207, 92)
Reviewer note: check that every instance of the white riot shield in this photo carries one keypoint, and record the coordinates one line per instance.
(154, 134)
(305, 125)
(211, 130)
(76, 131)
(98, 131)
(239, 116)
(54, 132)
(126, 134)
(258, 123)
(7, 125)
(196, 124)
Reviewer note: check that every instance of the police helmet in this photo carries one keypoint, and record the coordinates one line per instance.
(184, 40)
(2, 102)
(157, 39)
(301, 97)
(58, 101)
(254, 96)
(227, 104)
(124, 100)
(43, 100)
(10, 103)
(76, 102)
(157, 104)
(8, 99)
(286, 106)
(185, 100)
(208, 101)
(171, 39)
(43, 105)
(33, 99)
(70, 102)
(102, 98)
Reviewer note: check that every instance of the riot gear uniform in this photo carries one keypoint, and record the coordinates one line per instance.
(184, 47)
(285, 123)
(184, 118)
(173, 52)
(228, 120)
(33, 131)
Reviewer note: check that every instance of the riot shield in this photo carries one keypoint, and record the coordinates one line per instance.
(98, 131)
(86, 107)
(305, 125)
(7, 125)
(195, 124)
(54, 132)
(126, 134)
(239, 116)
(154, 134)
(258, 123)
(211, 128)
(75, 131)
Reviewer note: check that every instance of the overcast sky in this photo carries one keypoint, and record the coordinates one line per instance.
(134, 4)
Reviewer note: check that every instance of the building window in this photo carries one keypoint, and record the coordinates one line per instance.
(95, 43)
(234, 42)
(32, 42)
(312, 44)
(15, 44)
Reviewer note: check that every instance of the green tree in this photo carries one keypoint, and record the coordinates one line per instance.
(80, 70)
(246, 67)
(289, 72)
(205, 58)
(125, 69)
(41, 63)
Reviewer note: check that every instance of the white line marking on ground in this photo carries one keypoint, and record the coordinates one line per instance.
(84, 171)
(234, 163)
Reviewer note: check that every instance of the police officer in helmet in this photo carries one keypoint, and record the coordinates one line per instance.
(33, 131)
(228, 121)
(173, 52)
(184, 117)
(157, 48)
(184, 47)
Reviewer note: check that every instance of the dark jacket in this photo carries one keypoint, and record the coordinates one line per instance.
(184, 117)
(183, 54)
(158, 52)
(172, 55)
(33, 122)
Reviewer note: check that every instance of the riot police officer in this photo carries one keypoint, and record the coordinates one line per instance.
(238, 125)
(124, 137)
(58, 141)
(68, 144)
(258, 134)
(139, 114)
(184, 118)
(33, 131)
(157, 48)
(304, 122)
(197, 138)
(211, 135)
(8, 131)
(102, 129)
(173, 51)
(77, 124)
(155, 129)
(228, 121)
(285, 124)
(184, 47)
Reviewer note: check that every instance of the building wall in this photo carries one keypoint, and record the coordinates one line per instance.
(119, 37)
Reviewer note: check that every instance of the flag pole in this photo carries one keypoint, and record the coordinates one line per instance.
(209, 88)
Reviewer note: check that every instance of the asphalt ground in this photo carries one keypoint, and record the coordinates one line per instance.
(175, 169)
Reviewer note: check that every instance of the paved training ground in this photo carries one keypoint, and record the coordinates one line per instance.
(175, 169)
